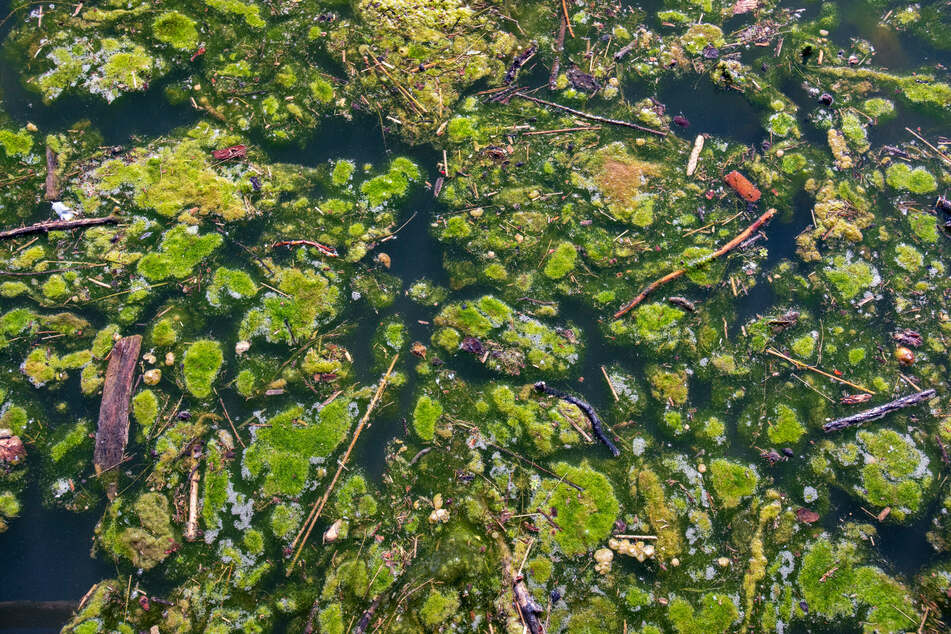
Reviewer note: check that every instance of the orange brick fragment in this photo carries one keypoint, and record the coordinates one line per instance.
(743, 186)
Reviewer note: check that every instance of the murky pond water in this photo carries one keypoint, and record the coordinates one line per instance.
(387, 196)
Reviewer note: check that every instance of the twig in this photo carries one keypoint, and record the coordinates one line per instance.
(588, 411)
(592, 117)
(610, 385)
(560, 130)
(941, 154)
(564, 7)
(812, 368)
(58, 225)
(878, 412)
(319, 504)
(726, 248)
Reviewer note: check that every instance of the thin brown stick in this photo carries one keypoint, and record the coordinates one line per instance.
(726, 248)
(812, 368)
(58, 225)
(610, 385)
(560, 130)
(564, 7)
(592, 117)
(941, 154)
(319, 504)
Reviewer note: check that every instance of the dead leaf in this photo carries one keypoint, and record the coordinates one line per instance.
(744, 6)
(806, 516)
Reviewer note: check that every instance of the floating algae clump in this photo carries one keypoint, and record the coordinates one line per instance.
(586, 517)
(201, 365)
(176, 29)
(181, 249)
(732, 482)
(425, 415)
(147, 541)
(283, 450)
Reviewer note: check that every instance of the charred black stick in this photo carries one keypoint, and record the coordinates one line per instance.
(878, 412)
(541, 386)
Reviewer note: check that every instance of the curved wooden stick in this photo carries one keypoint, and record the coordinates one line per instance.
(726, 248)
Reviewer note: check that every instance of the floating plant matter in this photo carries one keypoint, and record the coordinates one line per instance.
(432, 316)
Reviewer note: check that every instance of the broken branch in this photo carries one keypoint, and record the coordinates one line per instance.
(592, 117)
(726, 248)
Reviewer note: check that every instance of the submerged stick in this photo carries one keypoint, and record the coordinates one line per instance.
(191, 526)
(592, 117)
(58, 225)
(726, 248)
(586, 409)
(878, 412)
(52, 182)
(319, 504)
(559, 47)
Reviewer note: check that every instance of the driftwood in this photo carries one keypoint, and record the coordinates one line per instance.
(112, 433)
(624, 50)
(588, 411)
(726, 248)
(878, 412)
(58, 225)
(592, 117)
(52, 182)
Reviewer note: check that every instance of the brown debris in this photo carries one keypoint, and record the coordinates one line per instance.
(52, 182)
(806, 516)
(58, 225)
(112, 434)
(12, 450)
(743, 186)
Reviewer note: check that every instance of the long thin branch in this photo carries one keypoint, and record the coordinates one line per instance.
(592, 117)
(726, 248)
(58, 225)
(812, 368)
(878, 412)
(319, 504)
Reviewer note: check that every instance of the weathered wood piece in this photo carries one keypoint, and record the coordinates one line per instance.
(58, 225)
(878, 412)
(52, 182)
(588, 411)
(112, 434)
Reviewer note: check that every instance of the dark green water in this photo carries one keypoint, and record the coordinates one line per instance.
(45, 552)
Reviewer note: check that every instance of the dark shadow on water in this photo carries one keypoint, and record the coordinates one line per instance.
(712, 110)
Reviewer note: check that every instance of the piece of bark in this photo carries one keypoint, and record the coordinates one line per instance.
(878, 412)
(12, 450)
(52, 182)
(58, 225)
(743, 186)
(112, 434)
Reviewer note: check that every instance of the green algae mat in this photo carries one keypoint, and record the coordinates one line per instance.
(434, 316)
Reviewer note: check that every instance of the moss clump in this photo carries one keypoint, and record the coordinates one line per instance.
(785, 429)
(331, 619)
(561, 262)
(717, 613)
(55, 287)
(896, 475)
(924, 226)
(701, 35)
(586, 518)
(16, 143)
(285, 520)
(181, 249)
(439, 608)
(457, 227)
(146, 544)
(668, 386)
(908, 257)
(202, 362)
(164, 333)
(732, 481)
(804, 346)
(849, 278)
(342, 172)
(282, 452)
(176, 29)
(878, 107)
(917, 181)
(73, 437)
(425, 415)
(660, 514)
(391, 185)
(145, 408)
(237, 284)
(306, 301)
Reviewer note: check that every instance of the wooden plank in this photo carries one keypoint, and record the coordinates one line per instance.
(112, 434)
